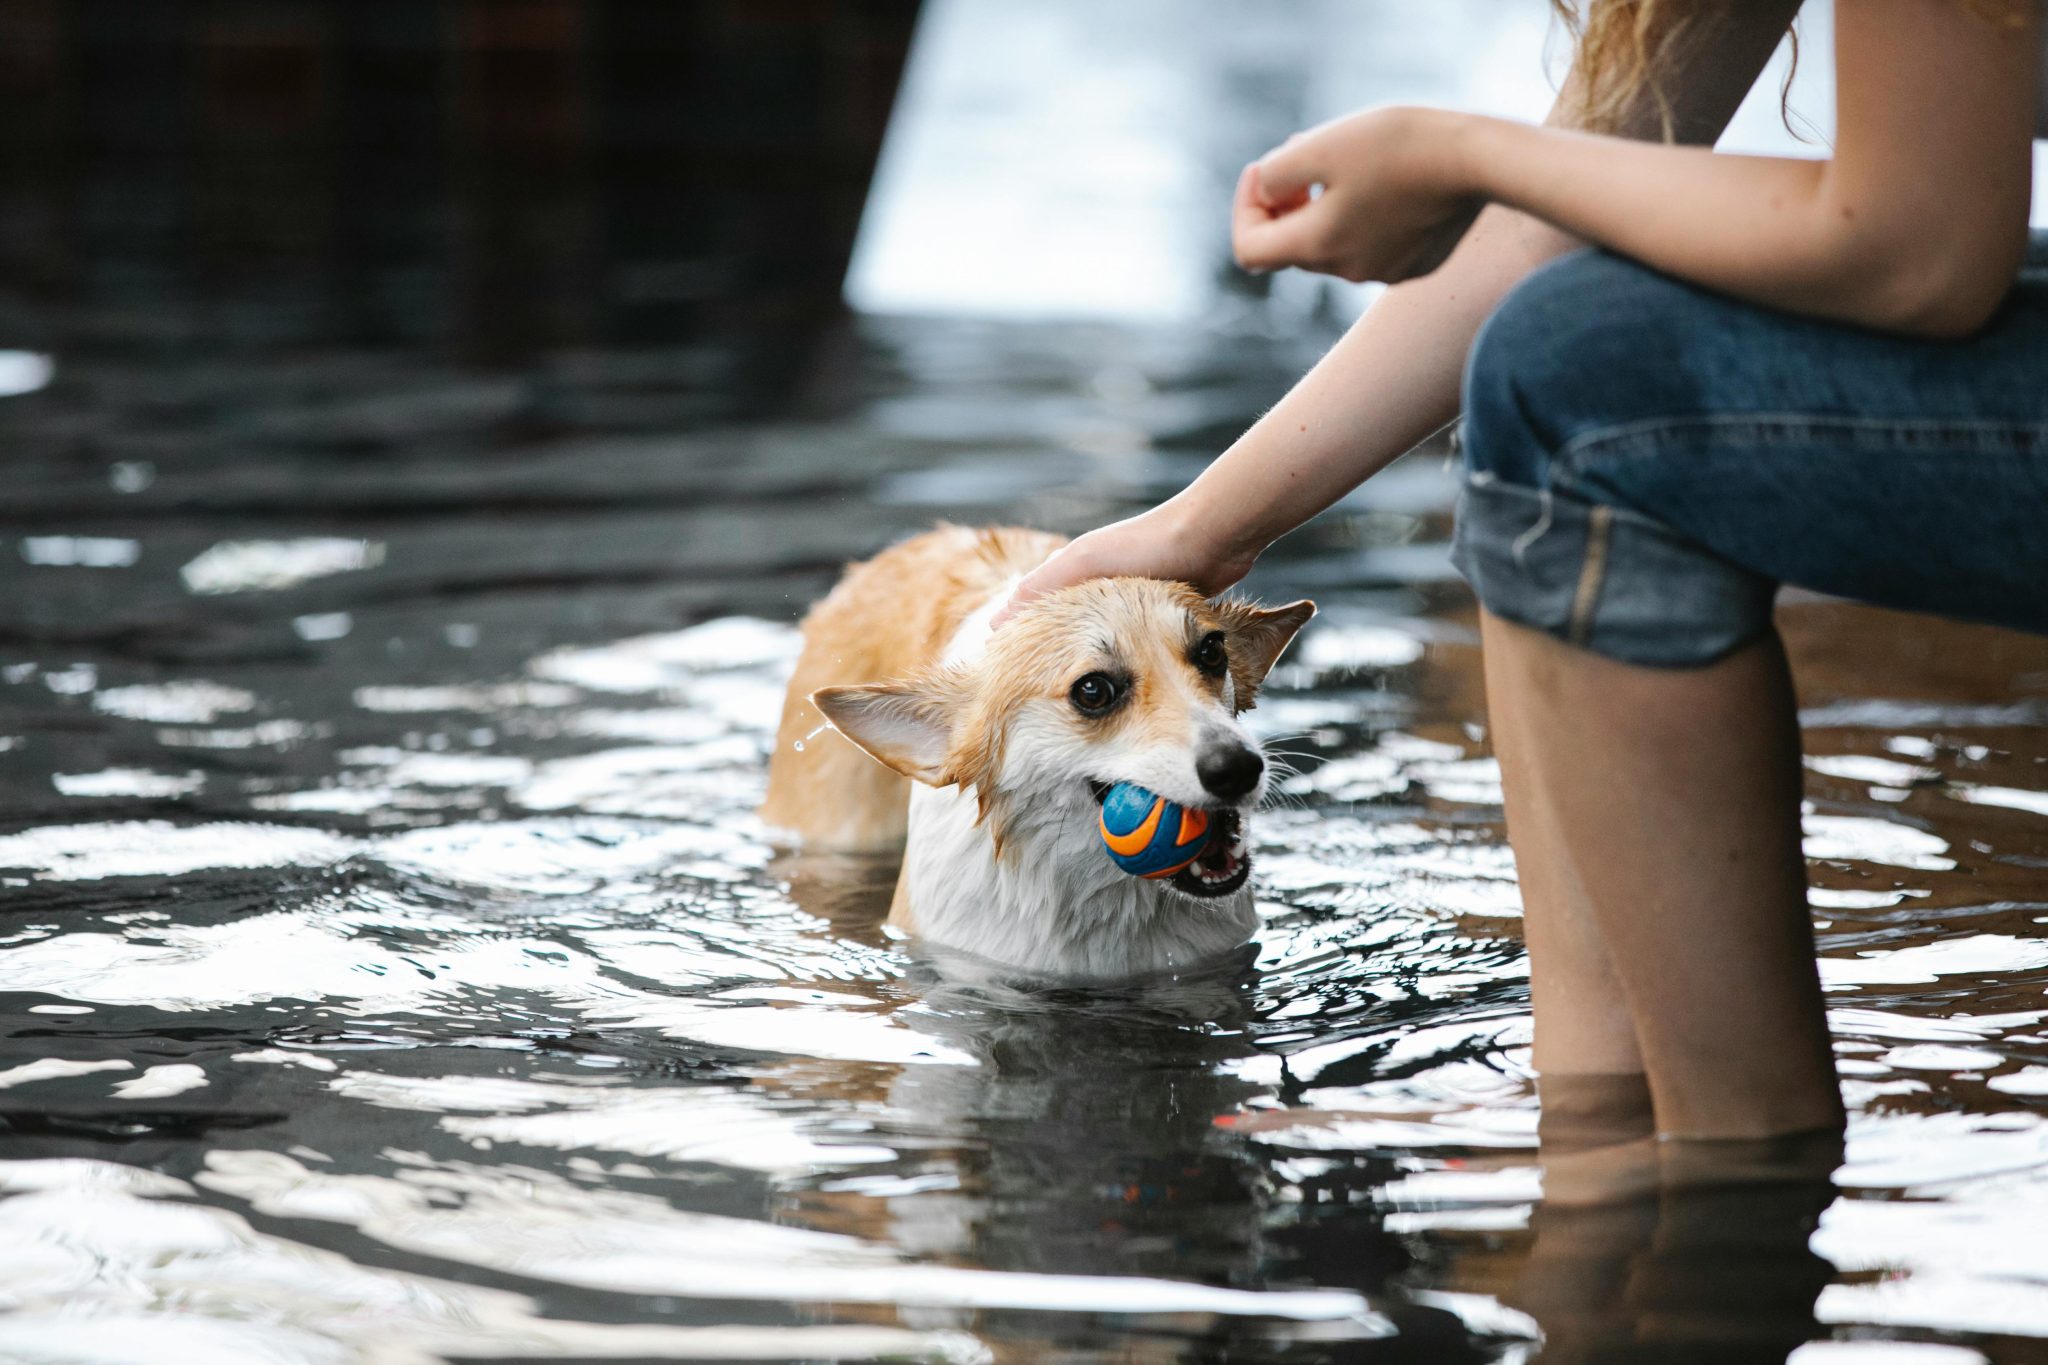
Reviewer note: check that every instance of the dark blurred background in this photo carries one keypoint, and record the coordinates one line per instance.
(489, 178)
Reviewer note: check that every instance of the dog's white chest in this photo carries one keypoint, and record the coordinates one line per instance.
(1053, 903)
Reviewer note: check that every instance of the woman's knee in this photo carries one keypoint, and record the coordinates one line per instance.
(1581, 345)
(1501, 437)
(1586, 340)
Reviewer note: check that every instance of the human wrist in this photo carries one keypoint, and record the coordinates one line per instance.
(1467, 148)
(1213, 540)
(1451, 149)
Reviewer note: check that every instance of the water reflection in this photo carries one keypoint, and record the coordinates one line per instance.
(1721, 1270)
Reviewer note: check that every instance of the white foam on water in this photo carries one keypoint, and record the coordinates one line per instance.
(142, 848)
(1925, 963)
(161, 1082)
(137, 782)
(55, 1068)
(191, 702)
(25, 372)
(273, 565)
(80, 552)
(105, 1263)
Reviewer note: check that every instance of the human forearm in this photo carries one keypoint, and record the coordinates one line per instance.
(1385, 386)
(1799, 235)
(1381, 390)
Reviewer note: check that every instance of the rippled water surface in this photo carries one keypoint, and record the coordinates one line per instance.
(394, 969)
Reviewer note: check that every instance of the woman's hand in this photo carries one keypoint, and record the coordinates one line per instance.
(1392, 203)
(1154, 544)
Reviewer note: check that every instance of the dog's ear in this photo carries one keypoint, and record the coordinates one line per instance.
(1257, 637)
(905, 725)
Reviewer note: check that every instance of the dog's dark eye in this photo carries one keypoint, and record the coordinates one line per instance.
(1209, 655)
(1095, 693)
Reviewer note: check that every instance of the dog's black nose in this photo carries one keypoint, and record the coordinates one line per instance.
(1229, 771)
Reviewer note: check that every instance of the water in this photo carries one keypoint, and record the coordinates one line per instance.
(395, 964)
(395, 971)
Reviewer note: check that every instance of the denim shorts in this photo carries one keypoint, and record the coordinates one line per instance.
(1647, 461)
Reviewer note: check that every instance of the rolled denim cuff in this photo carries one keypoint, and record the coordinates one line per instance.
(1602, 577)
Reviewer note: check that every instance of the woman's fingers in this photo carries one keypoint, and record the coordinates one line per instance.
(1063, 567)
(1287, 176)
(1276, 219)
(1347, 199)
(1247, 214)
(1264, 240)
(1248, 201)
(1019, 595)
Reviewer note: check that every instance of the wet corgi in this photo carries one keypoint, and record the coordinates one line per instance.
(985, 755)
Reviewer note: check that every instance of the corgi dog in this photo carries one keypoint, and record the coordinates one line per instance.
(985, 755)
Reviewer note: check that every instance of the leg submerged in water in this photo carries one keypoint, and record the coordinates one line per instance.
(1676, 792)
(1591, 1086)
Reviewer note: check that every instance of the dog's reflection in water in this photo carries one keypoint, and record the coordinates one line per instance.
(1084, 1140)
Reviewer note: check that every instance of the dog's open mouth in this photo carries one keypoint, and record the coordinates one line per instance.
(1226, 860)
(1225, 864)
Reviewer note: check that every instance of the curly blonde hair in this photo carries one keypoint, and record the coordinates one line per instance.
(1620, 47)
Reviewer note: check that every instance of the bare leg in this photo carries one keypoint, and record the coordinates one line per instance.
(1655, 818)
(1590, 1072)
(1583, 1023)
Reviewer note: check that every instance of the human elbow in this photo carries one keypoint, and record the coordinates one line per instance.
(1941, 282)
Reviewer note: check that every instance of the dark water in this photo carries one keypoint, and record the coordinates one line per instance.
(394, 969)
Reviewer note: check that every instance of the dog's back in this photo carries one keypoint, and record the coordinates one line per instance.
(888, 617)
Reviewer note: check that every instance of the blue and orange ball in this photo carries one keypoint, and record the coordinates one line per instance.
(1148, 835)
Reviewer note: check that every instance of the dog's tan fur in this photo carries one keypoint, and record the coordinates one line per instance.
(890, 617)
(874, 666)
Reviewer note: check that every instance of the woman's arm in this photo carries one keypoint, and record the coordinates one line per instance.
(1916, 225)
(1392, 379)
